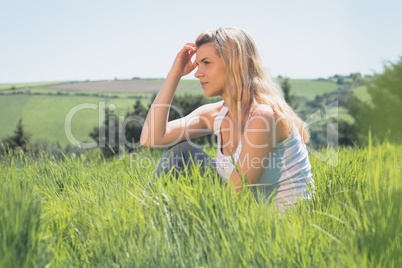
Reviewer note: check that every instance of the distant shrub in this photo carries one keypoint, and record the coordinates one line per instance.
(20, 138)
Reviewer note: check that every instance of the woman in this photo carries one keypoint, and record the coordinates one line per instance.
(263, 139)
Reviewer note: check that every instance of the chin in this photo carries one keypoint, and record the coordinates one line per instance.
(209, 95)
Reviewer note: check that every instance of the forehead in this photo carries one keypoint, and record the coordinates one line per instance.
(206, 50)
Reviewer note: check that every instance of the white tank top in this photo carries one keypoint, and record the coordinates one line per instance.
(287, 172)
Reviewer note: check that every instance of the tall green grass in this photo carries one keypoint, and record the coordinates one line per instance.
(86, 211)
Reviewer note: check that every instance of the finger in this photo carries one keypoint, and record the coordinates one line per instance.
(190, 45)
(192, 48)
(189, 51)
(192, 51)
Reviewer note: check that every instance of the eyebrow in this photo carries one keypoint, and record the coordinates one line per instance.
(203, 60)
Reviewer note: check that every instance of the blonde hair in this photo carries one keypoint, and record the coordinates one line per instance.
(247, 81)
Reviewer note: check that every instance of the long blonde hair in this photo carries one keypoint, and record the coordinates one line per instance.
(248, 82)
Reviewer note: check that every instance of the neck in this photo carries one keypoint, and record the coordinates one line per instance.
(234, 121)
(225, 99)
(229, 105)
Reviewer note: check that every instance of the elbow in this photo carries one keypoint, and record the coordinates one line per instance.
(150, 141)
(145, 142)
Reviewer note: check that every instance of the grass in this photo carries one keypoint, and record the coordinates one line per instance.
(86, 211)
(310, 88)
(11, 107)
(44, 116)
(27, 85)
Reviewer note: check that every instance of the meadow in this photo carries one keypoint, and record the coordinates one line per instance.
(44, 106)
(83, 210)
(44, 116)
(26, 86)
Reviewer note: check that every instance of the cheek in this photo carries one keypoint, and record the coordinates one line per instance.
(222, 77)
(222, 73)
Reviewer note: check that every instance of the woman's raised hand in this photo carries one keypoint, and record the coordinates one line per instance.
(183, 65)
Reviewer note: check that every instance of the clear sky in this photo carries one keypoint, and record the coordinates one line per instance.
(47, 40)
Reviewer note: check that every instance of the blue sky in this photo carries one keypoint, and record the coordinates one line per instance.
(96, 40)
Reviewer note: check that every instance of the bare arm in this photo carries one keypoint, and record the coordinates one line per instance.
(156, 123)
(257, 147)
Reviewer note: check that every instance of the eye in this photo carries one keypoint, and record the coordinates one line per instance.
(206, 62)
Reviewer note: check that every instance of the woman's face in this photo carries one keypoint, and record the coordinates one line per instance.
(211, 70)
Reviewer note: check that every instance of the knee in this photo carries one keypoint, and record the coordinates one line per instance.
(181, 148)
(174, 156)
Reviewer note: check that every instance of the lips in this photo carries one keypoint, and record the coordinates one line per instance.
(203, 84)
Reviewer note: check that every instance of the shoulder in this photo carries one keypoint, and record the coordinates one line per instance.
(259, 126)
(264, 123)
(211, 109)
(261, 115)
(262, 110)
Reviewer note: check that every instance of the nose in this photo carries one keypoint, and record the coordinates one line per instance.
(198, 73)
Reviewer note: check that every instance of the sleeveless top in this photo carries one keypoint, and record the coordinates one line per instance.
(287, 175)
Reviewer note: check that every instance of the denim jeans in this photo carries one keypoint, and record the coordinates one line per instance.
(179, 157)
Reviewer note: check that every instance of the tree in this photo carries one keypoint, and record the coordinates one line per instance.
(110, 128)
(134, 127)
(382, 118)
(19, 139)
(289, 98)
(183, 105)
(111, 146)
(139, 109)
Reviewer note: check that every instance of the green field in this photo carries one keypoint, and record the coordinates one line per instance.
(88, 212)
(27, 85)
(44, 115)
(311, 88)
